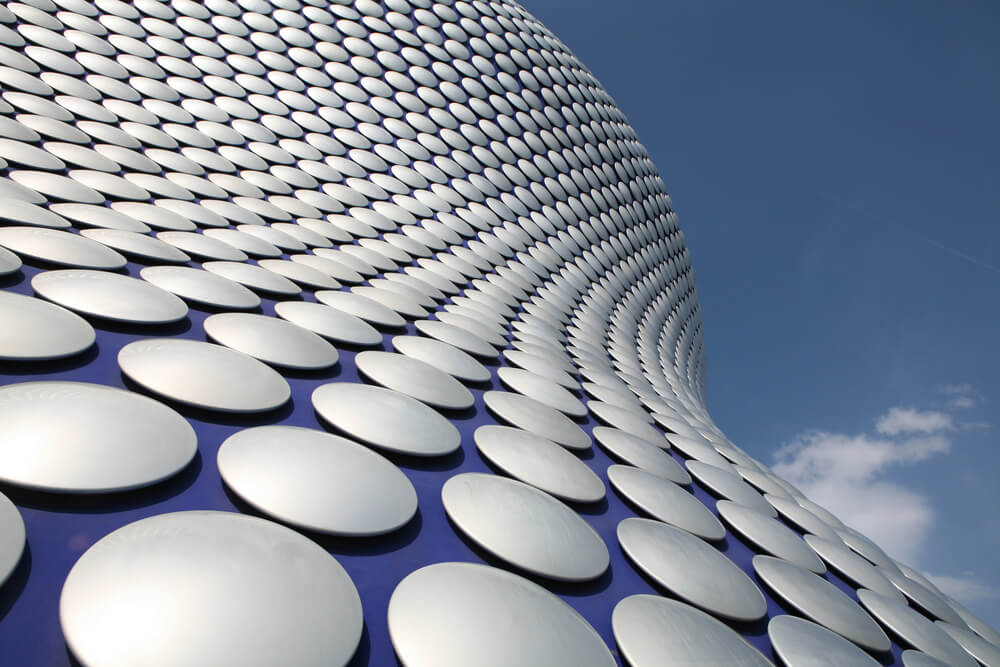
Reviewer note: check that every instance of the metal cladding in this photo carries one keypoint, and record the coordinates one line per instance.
(312, 314)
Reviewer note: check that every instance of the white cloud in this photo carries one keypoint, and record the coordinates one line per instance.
(963, 396)
(965, 589)
(841, 472)
(953, 389)
(911, 420)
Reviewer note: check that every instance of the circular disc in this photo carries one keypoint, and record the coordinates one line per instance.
(50, 245)
(639, 453)
(541, 389)
(770, 535)
(316, 480)
(923, 597)
(540, 463)
(729, 486)
(534, 417)
(361, 306)
(11, 538)
(329, 322)
(801, 643)
(805, 520)
(201, 287)
(74, 437)
(442, 356)
(272, 340)
(111, 296)
(915, 629)
(34, 330)
(690, 569)
(653, 630)
(203, 375)
(913, 658)
(386, 419)
(665, 501)
(446, 615)
(460, 338)
(525, 527)
(228, 586)
(414, 378)
(820, 601)
(980, 649)
(852, 566)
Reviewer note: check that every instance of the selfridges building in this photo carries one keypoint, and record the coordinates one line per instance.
(365, 333)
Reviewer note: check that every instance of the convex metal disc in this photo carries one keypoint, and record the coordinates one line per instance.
(442, 356)
(35, 330)
(414, 378)
(111, 296)
(328, 322)
(665, 501)
(203, 375)
(637, 452)
(799, 642)
(769, 535)
(653, 630)
(525, 527)
(236, 589)
(386, 419)
(820, 601)
(690, 569)
(271, 340)
(534, 417)
(540, 463)
(316, 480)
(74, 437)
(445, 615)
(56, 247)
(541, 389)
(201, 287)
(11, 538)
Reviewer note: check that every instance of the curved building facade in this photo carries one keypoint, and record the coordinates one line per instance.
(364, 332)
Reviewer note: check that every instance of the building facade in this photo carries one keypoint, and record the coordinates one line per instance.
(356, 332)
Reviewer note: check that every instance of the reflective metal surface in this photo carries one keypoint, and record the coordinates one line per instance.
(820, 601)
(525, 527)
(542, 390)
(729, 486)
(852, 566)
(798, 642)
(110, 296)
(315, 480)
(414, 378)
(923, 597)
(769, 535)
(980, 649)
(640, 453)
(914, 629)
(11, 537)
(203, 375)
(271, 340)
(651, 630)
(534, 417)
(75, 437)
(445, 615)
(691, 570)
(539, 462)
(665, 501)
(34, 330)
(223, 581)
(329, 322)
(386, 419)
(442, 356)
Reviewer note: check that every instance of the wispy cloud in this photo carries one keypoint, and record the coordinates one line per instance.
(966, 588)
(961, 396)
(911, 420)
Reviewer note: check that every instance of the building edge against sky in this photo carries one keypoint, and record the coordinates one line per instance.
(307, 306)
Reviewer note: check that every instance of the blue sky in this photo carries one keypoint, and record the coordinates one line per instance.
(835, 169)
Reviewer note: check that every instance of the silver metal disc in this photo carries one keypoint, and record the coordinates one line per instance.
(665, 501)
(801, 643)
(525, 527)
(225, 583)
(271, 340)
(542, 390)
(12, 538)
(442, 356)
(852, 566)
(34, 330)
(534, 417)
(922, 597)
(653, 630)
(315, 480)
(361, 306)
(414, 378)
(915, 629)
(74, 437)
(201, 287)
(806, 521)
(692, 570)
(722, 483)
(980, 649)
(9, 262)
(769, 535)
(386, 419)
(640, 453)
(913, 658)
(820, 601)
(540, 463)
(328, 322)
(445, 615)
(460, 338)
(57, 247)
(203, 375)
(110, 296)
